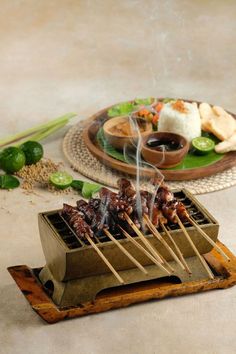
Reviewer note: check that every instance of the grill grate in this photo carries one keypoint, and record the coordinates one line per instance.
(68, 236)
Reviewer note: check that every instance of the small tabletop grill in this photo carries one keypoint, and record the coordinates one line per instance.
(76, 274)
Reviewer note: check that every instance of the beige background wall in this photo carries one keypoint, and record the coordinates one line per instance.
(75, 55)
(78, 55)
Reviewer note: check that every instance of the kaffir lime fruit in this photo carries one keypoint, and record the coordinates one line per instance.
(61, 180)
(203, 145)
(12, 159)
(33, 152)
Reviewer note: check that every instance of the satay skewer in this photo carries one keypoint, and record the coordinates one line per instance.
(92, 243)
(142, 249)
(143, 238)
(105, 260)
(218, 249)
(202, 260)
(176, 247)
(161, 239)
(112, 238)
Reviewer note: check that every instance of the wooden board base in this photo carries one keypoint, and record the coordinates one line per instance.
(27, 280)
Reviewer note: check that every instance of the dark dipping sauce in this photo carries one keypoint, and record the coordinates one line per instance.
(163, 144)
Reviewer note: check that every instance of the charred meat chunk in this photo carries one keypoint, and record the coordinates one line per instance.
(115, 203)
(76, 220)
(173, 208)
(93, 216)
(87, 210)
(94, 203)
(126, 188)
(163, 195)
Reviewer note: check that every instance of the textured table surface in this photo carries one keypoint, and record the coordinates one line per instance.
(61, 56)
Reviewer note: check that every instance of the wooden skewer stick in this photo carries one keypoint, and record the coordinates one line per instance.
(177, 248)
(218, 249)
(167, 264)
(143, 238)
(105, 260)
(141, 248)
(154, 252)
(202, 260)
(161, 239)
(139, 265)
(96, 238)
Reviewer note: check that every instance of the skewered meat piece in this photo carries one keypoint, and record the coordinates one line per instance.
(166, 200)
(145, 201)
(163, 195)
(173, 208)
(86, 209)
(93, 216)
(106, 194)
(114, 203)
(76, 220)
(95, 203)
(117, 206)
(152, 208)
(158, 217)
(69, 210)
(182, 212)
(126, 188)
(169, 211)
(127, 192)
(148, 204)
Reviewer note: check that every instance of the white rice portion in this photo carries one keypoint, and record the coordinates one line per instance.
(186, 124)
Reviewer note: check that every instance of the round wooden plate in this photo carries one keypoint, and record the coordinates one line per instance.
(89, 136)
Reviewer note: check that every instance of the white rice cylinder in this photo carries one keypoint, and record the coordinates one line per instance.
(187, 123)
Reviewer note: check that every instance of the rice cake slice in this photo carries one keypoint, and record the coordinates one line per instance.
(217, 121)
(227, 145)
(206, 114)
(223, 126)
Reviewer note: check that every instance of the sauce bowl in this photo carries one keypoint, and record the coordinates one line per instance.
(169, 151)
(119, 140)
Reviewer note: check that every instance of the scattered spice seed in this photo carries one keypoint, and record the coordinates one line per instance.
(57, 191)
(37, 174)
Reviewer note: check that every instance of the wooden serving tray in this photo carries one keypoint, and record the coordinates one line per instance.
(28, 282)
(89, 136)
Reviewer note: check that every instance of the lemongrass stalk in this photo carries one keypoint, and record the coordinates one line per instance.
(14, 138)
(37, 135)
(43, 133)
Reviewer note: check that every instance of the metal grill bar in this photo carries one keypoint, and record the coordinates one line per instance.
(84, 242)
(64, 230)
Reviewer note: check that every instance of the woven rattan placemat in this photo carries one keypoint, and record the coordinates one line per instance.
(85, 163)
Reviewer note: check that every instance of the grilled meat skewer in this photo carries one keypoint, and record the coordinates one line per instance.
(112, 210)
(76, 220)
(109, 211)
(93, 216)
(175, 208)
(117, 206)
(126, 188)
